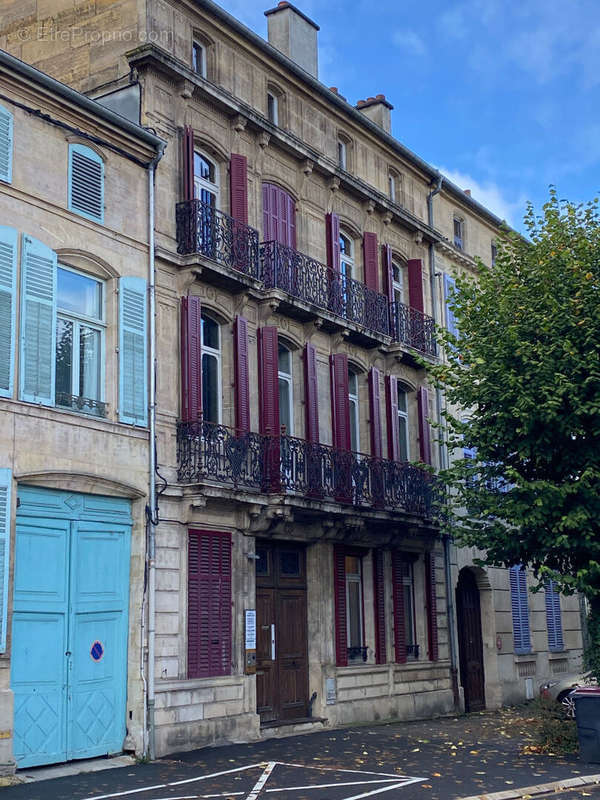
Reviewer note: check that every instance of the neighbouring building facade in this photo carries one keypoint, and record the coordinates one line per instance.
(303, 256)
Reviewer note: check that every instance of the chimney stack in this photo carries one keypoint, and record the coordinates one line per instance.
(295, 35)
(378, 110)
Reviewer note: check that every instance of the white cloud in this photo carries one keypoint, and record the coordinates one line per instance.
(490, 195)
(410, 42)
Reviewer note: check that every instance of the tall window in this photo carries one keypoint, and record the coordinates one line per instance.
(494, 254)
(79, 342)
(353, 402)
(397, 282)
(286, 405)
(211, 370)
(199, 58)
(520, 609)
(392, 187)
(342, 154)
(354, 609)
(404, 605)
(459, 233)
(272, 108)
(346, 256)
(206, 183)
(402, 424)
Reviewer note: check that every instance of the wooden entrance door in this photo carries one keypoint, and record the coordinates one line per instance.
(281, 645)
(470, 644)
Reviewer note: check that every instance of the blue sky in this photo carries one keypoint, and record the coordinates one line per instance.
(502, 96)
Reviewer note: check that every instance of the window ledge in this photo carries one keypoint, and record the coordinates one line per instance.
(556, 653)
(530, 656)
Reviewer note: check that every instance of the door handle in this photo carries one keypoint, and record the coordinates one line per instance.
(273, 642)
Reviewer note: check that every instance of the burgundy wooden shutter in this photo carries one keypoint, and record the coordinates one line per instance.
(332, 239)
(269, 380)
(424, 434)
(311, 393)
(238, 187)
(415, 284)
(287, 219)
(388, 274)
(188, 162)
(375, 404)
(340, 402)
(399, 570)
(191, 360)
(431, 605)
(393, 433)
(370, 261)
(339, 589)
(242, 393)
(269, 212)
(209, 604)
(379, 606)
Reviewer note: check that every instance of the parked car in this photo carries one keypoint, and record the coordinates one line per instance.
(562, 690)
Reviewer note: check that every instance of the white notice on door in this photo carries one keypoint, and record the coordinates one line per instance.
(250, 629)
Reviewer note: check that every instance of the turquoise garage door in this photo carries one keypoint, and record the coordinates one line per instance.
(69, 630)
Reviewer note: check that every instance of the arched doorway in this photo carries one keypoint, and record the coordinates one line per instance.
(470, 644)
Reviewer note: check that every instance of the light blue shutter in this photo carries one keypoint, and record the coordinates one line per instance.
(8, 308)
(133, 370)
(6, 144)
(5, 509)
(86, 182)
(553, 618)
(37, 367)
(520, 609)
(448, 290)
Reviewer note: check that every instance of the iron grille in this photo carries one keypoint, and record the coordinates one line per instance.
(412, 327)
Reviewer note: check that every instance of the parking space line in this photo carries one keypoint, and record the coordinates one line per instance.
(327, 785)
(386, 789)
(256, 789)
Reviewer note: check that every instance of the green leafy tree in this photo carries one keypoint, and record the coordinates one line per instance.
(525, 370)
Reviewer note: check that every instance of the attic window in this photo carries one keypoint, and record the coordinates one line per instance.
(272, 108)
(199, 58)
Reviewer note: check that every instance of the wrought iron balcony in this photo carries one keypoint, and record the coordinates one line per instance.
(307, 279)
(412, 327)
(201, 228)
(288, 465)
(357, 653)
(85, 405)
(412, 651)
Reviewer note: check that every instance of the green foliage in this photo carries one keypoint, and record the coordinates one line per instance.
(554, 733)
(526, 368)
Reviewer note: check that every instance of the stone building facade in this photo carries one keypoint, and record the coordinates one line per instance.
(301, 579)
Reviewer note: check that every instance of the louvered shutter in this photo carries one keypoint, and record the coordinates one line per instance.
(270, 212)
(393, 433)
(86, 182)
(311, 393)
(187, 162)
(424, 433)
(520, 609)
(37, 366)
(242, 389)
(191, 359)
(238, 184)
(388, 274)
(287, 219)
(379, 606)
(431, 606)
(370, 261)
(339, 588)
(340, 403)
(6, 144)
(8, 308)
(375, 410)
(133, 368)
(448, 290)
(5, 515)
(399, 570)
(415, 284)
(332, 240)
(268, 389)
(553, 618)
(209, 604)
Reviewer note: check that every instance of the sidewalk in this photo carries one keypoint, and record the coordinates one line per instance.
(441, 759)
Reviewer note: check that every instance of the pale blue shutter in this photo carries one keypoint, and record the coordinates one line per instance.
(8, 308)
(133, 370)
(6, 145)
(553, 618)
(37, 367)
(448, 291)
(5, 509)
(86, 182)
(520, 609)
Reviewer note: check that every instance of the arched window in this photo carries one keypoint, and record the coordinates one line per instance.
(353, 403)
(286, 401)
(211, 369)
(206, 180)
(346, 256)
(403, 449)
(397, 282)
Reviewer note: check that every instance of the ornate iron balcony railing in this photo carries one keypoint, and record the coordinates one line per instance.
(412, 651)
(288, 465)
(413, 328)
(201, 228)
(86, 405)
(307, 279)
(357, 653)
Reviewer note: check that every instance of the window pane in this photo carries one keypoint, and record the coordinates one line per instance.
(352, 565)
(285, 411)
(353, 425)
(401, 400)
(79, 293)
(210, 333)
(203, 168)
(89, 363)
(64, 357)
(284, 360)
(210, 388)
(403, 438)
(352, 383)
(198, 58)
(263, 561)
(409, 622)
(354, 626)
(290, 563)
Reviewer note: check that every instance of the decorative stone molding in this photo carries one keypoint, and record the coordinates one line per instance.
(186, 89)
(239, 123)
(263, 139)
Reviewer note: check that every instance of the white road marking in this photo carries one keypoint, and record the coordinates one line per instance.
(385, 789)
(327, 785)
(354, 771)
(256, 789)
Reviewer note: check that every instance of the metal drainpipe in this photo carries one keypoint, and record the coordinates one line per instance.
(443, 460)
(152, 517)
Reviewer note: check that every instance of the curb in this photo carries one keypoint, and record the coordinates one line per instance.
(538, 789)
